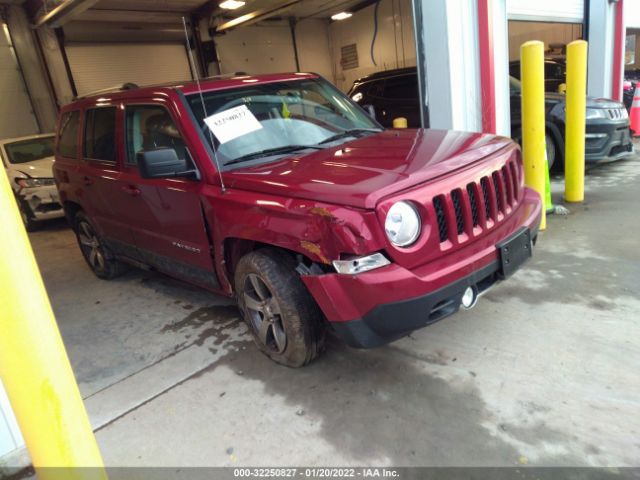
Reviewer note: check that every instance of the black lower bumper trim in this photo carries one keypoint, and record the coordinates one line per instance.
(390, 321)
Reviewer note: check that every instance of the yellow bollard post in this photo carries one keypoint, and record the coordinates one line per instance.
(34, 366)
(400, 122)
(533, 125)
(575, 121)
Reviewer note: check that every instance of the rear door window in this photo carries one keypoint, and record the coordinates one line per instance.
(100, 134)
(401, 87)
(68, 134)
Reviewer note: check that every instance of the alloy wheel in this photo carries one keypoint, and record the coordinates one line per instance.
(90, 245)
(264, 313)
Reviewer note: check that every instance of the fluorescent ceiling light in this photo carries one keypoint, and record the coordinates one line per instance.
(232, 4)
(341, 16)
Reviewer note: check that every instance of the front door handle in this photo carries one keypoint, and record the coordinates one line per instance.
(131, 190)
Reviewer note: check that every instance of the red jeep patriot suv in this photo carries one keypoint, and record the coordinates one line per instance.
(281, 191)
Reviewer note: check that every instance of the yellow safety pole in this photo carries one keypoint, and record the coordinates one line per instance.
(533, 125)
(399, 122)
(575, 121)
(34, 366)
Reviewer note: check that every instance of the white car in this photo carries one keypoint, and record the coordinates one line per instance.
(28, 162)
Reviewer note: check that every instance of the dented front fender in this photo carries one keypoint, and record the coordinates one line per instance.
(319, 231)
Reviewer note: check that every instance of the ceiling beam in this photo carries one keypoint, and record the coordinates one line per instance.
(118, 16)
(255, 16)
(64, 12)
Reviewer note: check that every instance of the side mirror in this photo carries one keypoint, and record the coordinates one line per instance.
(370, 110)
(163, 163)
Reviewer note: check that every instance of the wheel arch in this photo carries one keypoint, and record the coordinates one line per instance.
(234, 248)
(71, 209)
(556, 135)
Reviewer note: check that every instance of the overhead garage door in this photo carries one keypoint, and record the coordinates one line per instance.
(570, 11)
(16, 113)
(632, 14)
(99, 66)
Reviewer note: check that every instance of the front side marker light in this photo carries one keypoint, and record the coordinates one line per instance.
(360, 264)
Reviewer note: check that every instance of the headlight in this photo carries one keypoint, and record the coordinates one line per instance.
(34, 182)
(402, 224)
(357, 97)
(596, 113)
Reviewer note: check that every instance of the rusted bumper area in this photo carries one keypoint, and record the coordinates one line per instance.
(379, 306)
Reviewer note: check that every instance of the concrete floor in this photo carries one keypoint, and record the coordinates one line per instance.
(544, 371)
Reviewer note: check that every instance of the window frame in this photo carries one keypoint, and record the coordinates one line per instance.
(85, 117)
(125, 140)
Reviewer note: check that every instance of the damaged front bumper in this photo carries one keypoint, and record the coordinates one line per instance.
(375, 307)
(42, 203)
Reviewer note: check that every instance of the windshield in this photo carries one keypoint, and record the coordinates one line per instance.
(29, 150)
(515, 87)
(262, 121)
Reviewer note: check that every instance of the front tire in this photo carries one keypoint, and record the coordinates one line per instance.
(284, 320)
(28, 219)
(552, 149)
(101, 261)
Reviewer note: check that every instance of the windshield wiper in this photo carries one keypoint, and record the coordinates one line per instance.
(273, 151)
(349, 133)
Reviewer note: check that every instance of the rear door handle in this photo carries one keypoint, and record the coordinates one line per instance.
(131, 190)
(87, 181)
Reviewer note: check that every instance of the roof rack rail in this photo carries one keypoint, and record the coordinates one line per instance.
(225, 75)
(123, 87)
(132, 86)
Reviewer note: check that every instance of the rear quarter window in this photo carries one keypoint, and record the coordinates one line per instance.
(68, 134)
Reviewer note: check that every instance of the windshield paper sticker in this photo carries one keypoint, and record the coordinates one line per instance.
(232, 123)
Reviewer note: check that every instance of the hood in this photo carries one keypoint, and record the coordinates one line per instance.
(361, 172)
(592, 102)
(38, 168)
(554, 97)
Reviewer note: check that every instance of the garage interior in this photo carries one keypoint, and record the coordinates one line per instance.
(540, 373)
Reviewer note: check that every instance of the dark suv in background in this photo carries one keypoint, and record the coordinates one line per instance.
(394, 93)
(555, 73)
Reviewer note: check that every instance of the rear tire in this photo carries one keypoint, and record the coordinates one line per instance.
(284, 320)
(99, 258)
